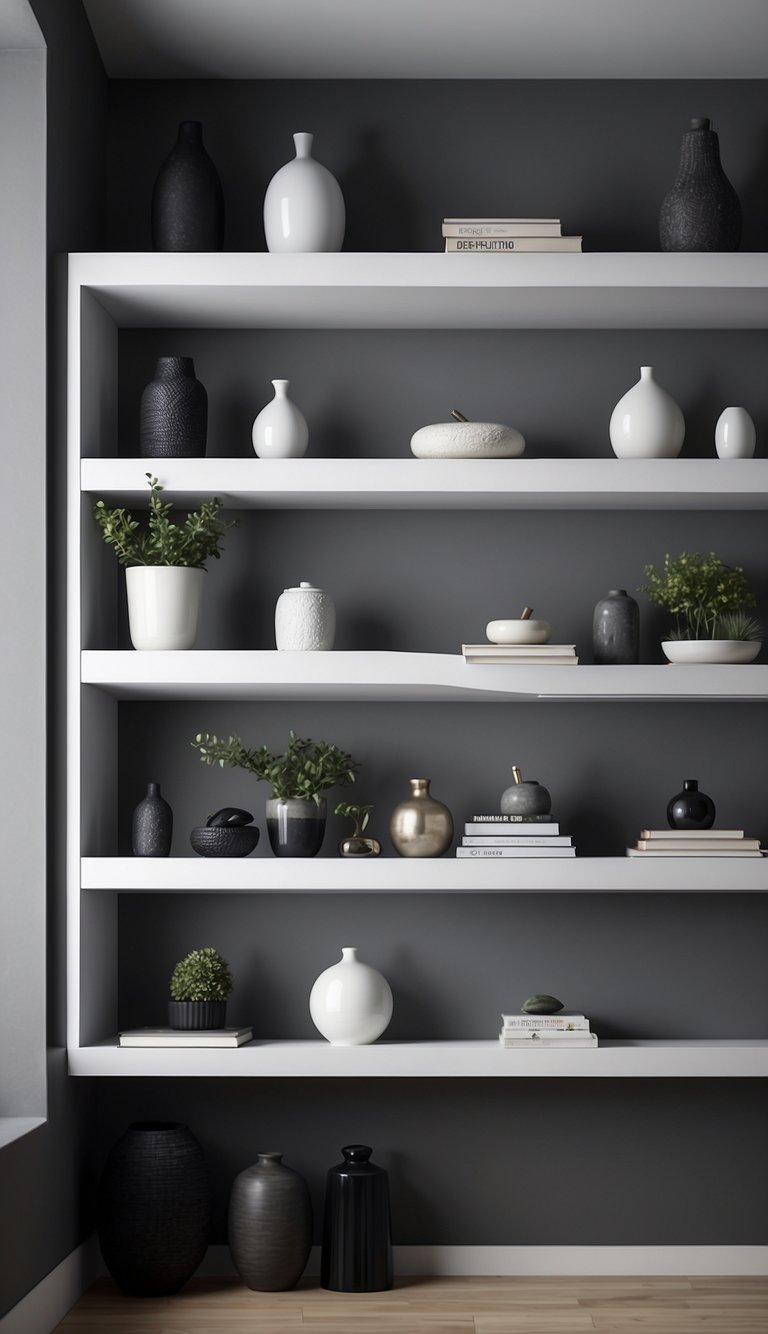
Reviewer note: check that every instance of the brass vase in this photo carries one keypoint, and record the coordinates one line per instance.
(421, 826)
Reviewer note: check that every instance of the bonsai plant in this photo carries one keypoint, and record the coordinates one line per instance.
(355, 844)
(165, 566)
(200, 985)
(296, 810)
(708, 600)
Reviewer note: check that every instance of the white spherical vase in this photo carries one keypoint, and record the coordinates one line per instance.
(350, 1003)
(163, 605)
(303, 206)
(280, 431)
(647, 423)
(305, 620)
(735, 434)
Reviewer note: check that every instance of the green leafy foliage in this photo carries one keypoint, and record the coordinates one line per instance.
(305, 769)
(698, 591)
(158, 541)
(201, 976)
(360, 815)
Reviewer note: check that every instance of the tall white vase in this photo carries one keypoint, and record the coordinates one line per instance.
(163, 605)
(735, 434)
(280, 431)
(304, 206)
(647, 423)
(350, 1003)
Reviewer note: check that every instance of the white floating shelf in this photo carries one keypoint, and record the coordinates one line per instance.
(413, 875)
(409, 483)
(632, 1059)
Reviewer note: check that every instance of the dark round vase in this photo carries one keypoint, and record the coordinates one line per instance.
(152, 827)
(187, 201)
(173, 418)
(295, 826)
(616, 629)
(691, 809)
(702, 210)
(187, 1015)
(270, 1224)
(357, 1244)
(154, 1208)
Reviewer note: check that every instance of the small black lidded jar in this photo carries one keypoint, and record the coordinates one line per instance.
(357, 1244)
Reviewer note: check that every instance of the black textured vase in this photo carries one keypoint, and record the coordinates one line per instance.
(152, 825)
(187, 201)
(154, 1208)
(702, 210)
(173, 418)
(270, 1224)
(616, 629)
(691, 809)
(357, 1243)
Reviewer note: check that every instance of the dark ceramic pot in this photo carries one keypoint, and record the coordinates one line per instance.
(616, 629)
(197, 1014)
(224, 840)
(152, 827)
(270, 1224)
(295, 826)
(187, 201)
(691, 809)
(702, 210)
(526, 798)
(173, 418)
(357, 1244)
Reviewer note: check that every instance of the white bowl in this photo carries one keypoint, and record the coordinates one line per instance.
(467, 440)
(711, 650)
(518, 632)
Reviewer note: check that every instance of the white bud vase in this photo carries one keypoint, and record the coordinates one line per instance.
(647, 423)
(350, 1003)
(280, 431)
(735, 434)
(303, 206)
(305, 620)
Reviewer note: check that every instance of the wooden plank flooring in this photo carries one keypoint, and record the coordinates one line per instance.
(439, 1306)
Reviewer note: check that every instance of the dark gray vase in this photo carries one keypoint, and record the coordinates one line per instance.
(691, 809)
(616, 629)
(189, 1015)
(702, 210)
(173, 418)
(295, 826)
(270, 1224)
(187, 201)
(152, 825)
(357, 1245)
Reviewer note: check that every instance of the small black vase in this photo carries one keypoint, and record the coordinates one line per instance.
(691, 809)
(187, 201)
(357, 1246)
(616, 629)
(270, 1224)
(173, 418)
(702, 210)
(152, 825)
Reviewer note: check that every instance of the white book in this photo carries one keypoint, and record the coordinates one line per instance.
(486, 827)
(503, 222)
(694, 844)
(546, 1035)
(519, 650)
(691, 833)
(543, 1023)
(517, 841)
(563, 1042)
(520, 227)
(501, 245)
(186, 1037)
(689, 852)
(519, 852)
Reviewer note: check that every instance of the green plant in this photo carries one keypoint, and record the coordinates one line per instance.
(360, 815)
(698, 591)
(158, 541)
(201, 976)
(739, 625)
(305, 769)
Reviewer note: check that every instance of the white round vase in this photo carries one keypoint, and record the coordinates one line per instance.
(735, 434)
(303, 206)
(280, 431)
(647, 423)
(350, 1003)
(305, 619)
(163, 605)
(467, 440)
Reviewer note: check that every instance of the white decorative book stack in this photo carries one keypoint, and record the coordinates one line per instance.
(525, 655)
(695, 843)
(499, 236)
(563, 1031)
(489, 836)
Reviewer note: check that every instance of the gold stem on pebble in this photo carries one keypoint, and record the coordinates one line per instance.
(526, 613)
(458, 416)
(516, 774)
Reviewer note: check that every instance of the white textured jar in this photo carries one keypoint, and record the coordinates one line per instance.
(735, 434)
(304, 207)
(280, 431)
(163, 605)
(647, 423)
(350, 1003)
(305, 619)
(467, 440)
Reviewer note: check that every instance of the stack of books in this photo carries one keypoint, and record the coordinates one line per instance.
(527, 1031)
(184, 1037)
(495, 236)
(529, 655)
(694, 843)
(514, 836)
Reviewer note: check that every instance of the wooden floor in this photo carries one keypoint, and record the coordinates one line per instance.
(480, 1305)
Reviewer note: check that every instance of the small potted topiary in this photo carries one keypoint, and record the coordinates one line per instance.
(708, 600)
(200, 984)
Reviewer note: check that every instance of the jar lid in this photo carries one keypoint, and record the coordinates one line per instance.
(304, 588)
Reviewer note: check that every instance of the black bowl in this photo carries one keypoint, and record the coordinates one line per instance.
(224, 840)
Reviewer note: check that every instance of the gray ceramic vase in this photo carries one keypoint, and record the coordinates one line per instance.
(702, 210)
(525, 798)
(270, 1224)
(616, 629)
(296, 826)
(152, 826)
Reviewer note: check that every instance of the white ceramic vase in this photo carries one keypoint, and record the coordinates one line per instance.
(350, 1003)
(735, 434)
(280, 431)
(163, 605)
(303, 206)
(647, 423)
(305, 619)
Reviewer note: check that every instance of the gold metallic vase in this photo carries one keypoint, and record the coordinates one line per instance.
(421, 826)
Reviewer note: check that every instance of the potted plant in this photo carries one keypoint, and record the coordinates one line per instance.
(355, 844)
(200, 985)
(165, 566)
(296, 810)
(708, 600)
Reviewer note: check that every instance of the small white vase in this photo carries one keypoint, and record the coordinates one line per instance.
(163, 605)
(280, 431)
(305, 619)
(350, 1003)
(647, 423)
(735, 434)
(303, 206)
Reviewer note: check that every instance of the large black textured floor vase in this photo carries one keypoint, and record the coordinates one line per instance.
(702, 210)
(270, 1224)
(154, 1210)
(187, 201)
(357, 1245)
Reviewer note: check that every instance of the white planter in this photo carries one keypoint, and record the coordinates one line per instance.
(304, 206)
(711, 650)
(280, 431)
(735, 434)
(467, 440)
(350, 1003)
(647, 423)
(305, 620)
(163, 605)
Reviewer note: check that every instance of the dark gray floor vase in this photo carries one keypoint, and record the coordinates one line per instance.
(270, 1224)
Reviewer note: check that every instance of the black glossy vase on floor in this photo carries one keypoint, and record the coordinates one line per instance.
(187, 201)
(173, 417)
(691, 809)
(616, 629)
(152, 827)
(702, 210)
(270, 1224)
(154, 1208)
(357, 1242)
